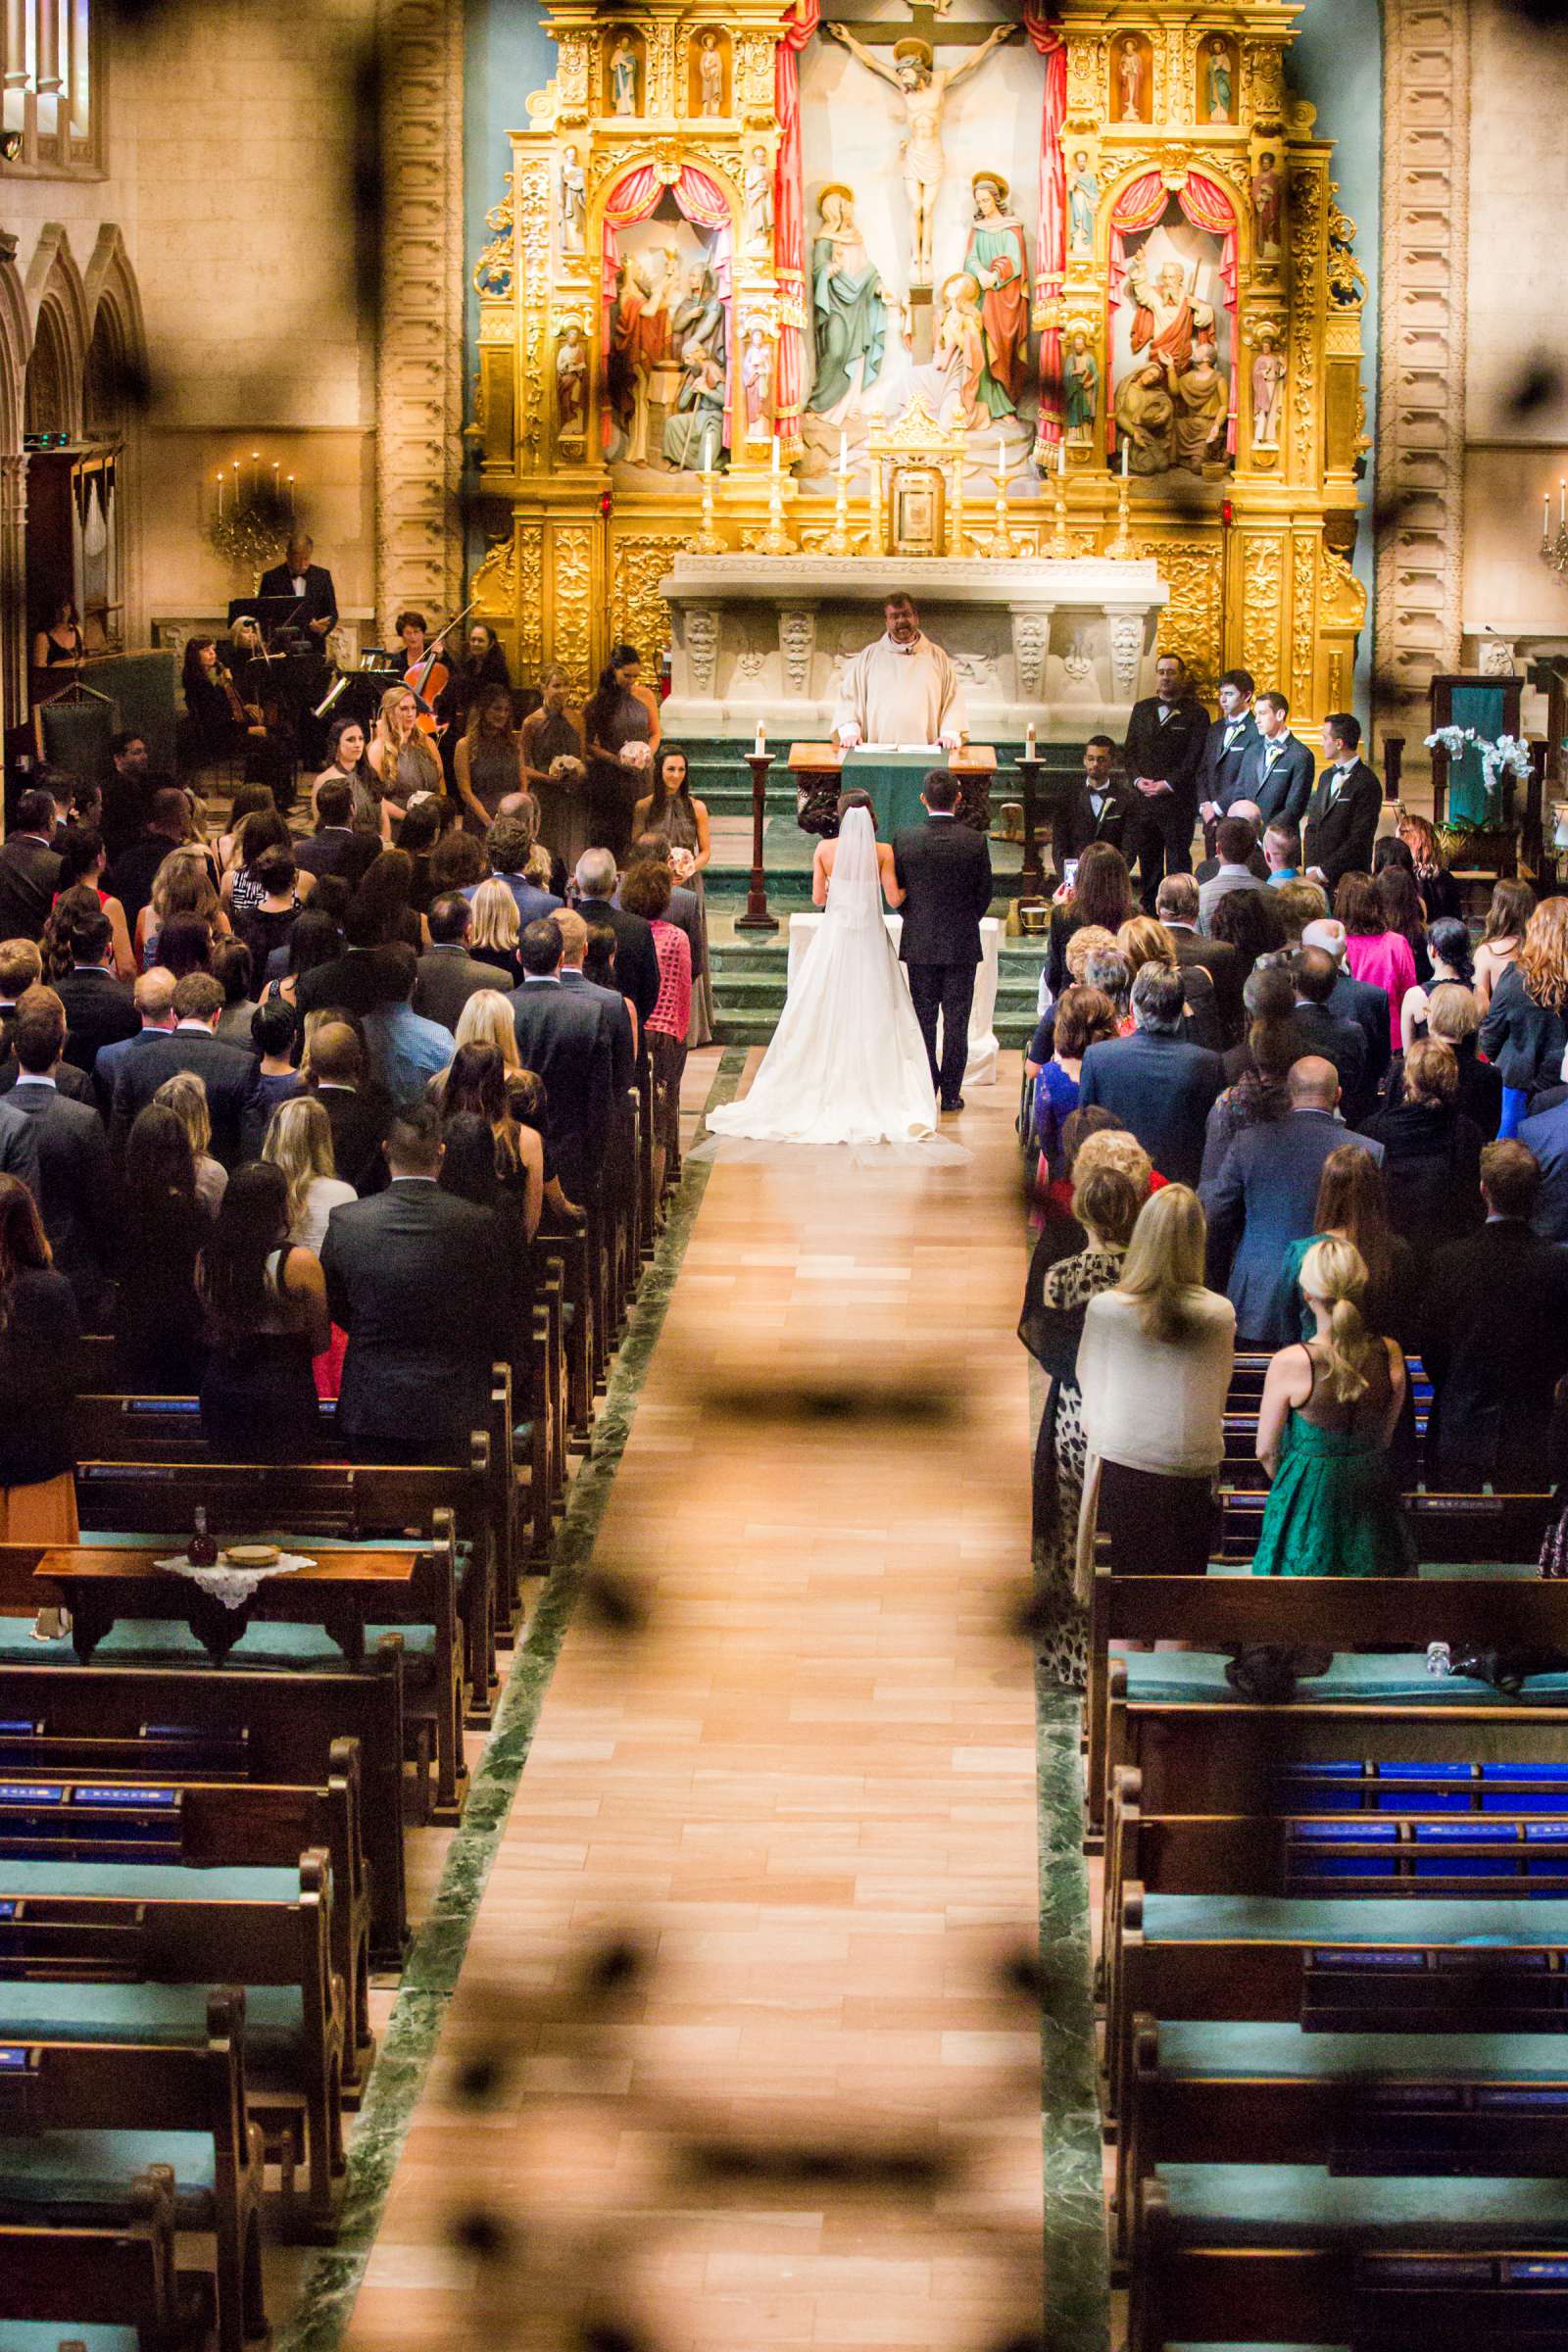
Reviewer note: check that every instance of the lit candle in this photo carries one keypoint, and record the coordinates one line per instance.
(1546, 509)
(1029, 742)
(762, 738)
(1001, 456)
(291, 497)
(256, 471)
(220, 493)
(1061, 457)
(275, 471)
(775, 453)
(1562, 504)
(1126, 451)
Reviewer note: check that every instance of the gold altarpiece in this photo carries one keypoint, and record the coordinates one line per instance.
(1256, 559)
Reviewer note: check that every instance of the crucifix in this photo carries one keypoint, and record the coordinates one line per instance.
(923, 86)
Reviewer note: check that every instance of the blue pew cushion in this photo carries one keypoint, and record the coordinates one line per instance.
(172, 2015)
(1296, 2204)
(1216, 2050)
(1173, 1678)
(72, 2169)
(1356, 1919)
(151, 1881)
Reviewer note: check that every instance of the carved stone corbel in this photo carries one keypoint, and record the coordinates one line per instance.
(796, 646)
(1031, 637)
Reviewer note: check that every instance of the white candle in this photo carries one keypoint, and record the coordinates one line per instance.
(844, 451)
(1126, 448)
(1545, 507)
(775, 453)
(762, 738)
(1029, 742)
(1061, 457)
(220, 497)
(291, 495)
(1562, 503)
(1001, 456)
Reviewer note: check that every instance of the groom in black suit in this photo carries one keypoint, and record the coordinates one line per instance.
(944, 870)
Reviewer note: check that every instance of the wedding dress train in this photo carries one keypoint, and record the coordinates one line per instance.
(848, 1064)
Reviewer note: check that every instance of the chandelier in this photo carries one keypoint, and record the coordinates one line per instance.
(1554, 552)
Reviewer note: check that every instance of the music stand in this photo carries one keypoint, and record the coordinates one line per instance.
(279, 618)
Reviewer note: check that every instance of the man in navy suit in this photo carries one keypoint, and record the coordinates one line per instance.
(564, 1039)
(944, 869)
(1265, 1196)
(1279, 769)
(1159, 1085)
(228, 1074)
(59, 1149)
(1227, 748)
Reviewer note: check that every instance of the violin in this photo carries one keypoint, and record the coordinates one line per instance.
(236, 709)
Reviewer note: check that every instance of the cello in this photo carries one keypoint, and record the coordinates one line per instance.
(431, 675)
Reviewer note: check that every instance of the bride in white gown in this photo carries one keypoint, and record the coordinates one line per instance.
(848, 1064)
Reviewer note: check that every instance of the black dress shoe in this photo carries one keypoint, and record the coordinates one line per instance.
(955, 1105)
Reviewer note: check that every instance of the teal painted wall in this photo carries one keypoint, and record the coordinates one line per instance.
(1335, 62)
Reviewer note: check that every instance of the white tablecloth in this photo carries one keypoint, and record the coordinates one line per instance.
(981, 1070)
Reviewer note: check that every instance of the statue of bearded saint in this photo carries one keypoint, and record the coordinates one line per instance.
(1168, 320)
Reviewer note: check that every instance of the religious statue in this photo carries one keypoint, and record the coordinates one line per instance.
(1268, 386)
(1268, 194)
(1080, 382)
(623, 77)
(757, 377)
(639, 339)
(696, 324)
(759, 194)
(1201, 394)
(997, 260)
(1130, 77)
(571, 385)
(849, 306)
(1144, 415)
(961, 345)
(923, 87)
(710, 75)
(694, 433)
(1168, 316)
(1083, 201)
(573, 203)
(1218, 101)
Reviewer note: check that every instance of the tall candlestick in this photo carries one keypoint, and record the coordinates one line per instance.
(1562, 504)
(1545, 511)
(256, 471)
(276, 471)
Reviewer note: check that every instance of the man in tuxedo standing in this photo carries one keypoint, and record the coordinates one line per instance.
(1227, 749)
(310, 584)
(1100, 808)
(1165, 737)
(944, 870)
(1342, 818)
(1279, 769)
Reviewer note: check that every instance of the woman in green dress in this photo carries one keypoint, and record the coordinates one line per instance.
(1330, 1407)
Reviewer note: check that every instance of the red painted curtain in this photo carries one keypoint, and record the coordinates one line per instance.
(1204, 203)
(1040, 21)
(788, 230)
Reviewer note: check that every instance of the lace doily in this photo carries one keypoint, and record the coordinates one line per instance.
(233, 1587)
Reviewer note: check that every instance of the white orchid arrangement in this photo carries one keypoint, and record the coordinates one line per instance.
(1508, 756)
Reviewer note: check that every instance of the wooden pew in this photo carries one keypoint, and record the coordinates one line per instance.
(91, 1968)
(144, 2093)
(114, 2278)
(201, 1824)
(1217, 1613)
(238, 1723)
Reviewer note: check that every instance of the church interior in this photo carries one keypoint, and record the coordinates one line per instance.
(450, 402)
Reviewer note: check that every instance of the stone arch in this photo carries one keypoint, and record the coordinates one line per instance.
(16, 347)
(116, 359)
(57, 301)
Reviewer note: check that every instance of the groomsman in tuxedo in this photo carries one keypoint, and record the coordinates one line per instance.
(1342, 818)
(1279, 769)
(1165, 736)
(1100, 808)
(1222, 769)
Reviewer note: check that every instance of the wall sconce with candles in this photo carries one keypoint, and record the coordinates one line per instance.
(1554, 552)
(253, 511)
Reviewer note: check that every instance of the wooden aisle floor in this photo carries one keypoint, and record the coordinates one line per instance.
(803, 1794)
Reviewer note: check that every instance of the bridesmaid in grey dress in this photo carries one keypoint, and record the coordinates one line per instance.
(671, 811)
(555, 732)
(622, 711)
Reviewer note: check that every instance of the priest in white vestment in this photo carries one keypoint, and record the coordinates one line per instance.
(901, 689)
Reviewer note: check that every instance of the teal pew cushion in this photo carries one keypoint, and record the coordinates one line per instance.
(150, 1882)
(171, 2015)
(47, 2335)
(1357, 1919)
(1170, 1678)
(164, 1641)
(1284, 2051)
(1296, 2204)
(96, 2169)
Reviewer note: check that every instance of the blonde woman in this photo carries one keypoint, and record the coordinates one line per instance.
(186, 1097)
(1144, 940)
(401, 757)
(1110, 1187)
(1330, 1404)
(1155, 1367)
(182, 885)
(494, 930)
(298, 1141)
(1526, 1027)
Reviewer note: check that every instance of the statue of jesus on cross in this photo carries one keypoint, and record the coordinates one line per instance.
(923, 87)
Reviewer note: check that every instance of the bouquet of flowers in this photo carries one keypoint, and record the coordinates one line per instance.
(565, 768)
(682, 864)
(638, 756)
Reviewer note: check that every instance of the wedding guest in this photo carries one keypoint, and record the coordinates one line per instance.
(1377, 955)
(268, 926)
(227, 1075)
(636, 964)
(1453, 1020)
(183, 886)
(1176, 906)
(451, 971)
(1401, 903)
(154, 1000)
(1503, 935)
(1431, 1153)
(1160, 1086)
(621, 715)
(299, 1142)
(1440, 892)
(476, 1085)
(1154, 1367)
(1352, 1205)
(235, 972)
(646, 892)
(40, 1378)
(56, 1148)
(671, 812)
(494, 930)
(348, 761)
(1260, 1094)
(1349, 1000)
(83, 862)
(273, 1037)
(1146, 940)
(1250, 923)
(166, 827)
(337, 845)
(1451, 960)
(1322, 1030)
(1235, 844)
(186, 1097)
(336, 1072)
(1525, 1030)
(1330, 1407)
(29, 866)
(1102, 895)
(509, 846)
(1301, 903)
(1105, 1202)
(158, 1316)
(98, 1009)
(267, 1320)
(1083, 1017)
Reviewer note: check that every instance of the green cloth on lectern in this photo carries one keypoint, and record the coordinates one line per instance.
(894, 780)
(1481, 708)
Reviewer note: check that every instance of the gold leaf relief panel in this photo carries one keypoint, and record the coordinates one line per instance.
(1307, 246)
(638, 613)
(1303, 607)
(572, 613)
(1262, 573)
(1189, 624)
(529, 599)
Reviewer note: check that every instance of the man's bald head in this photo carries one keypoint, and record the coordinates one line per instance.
(1314, 1083)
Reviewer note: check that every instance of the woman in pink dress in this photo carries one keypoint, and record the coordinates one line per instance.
(1377, 956)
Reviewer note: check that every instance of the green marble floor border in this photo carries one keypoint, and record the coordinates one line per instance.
(436, 1955)
(1077, 2273)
